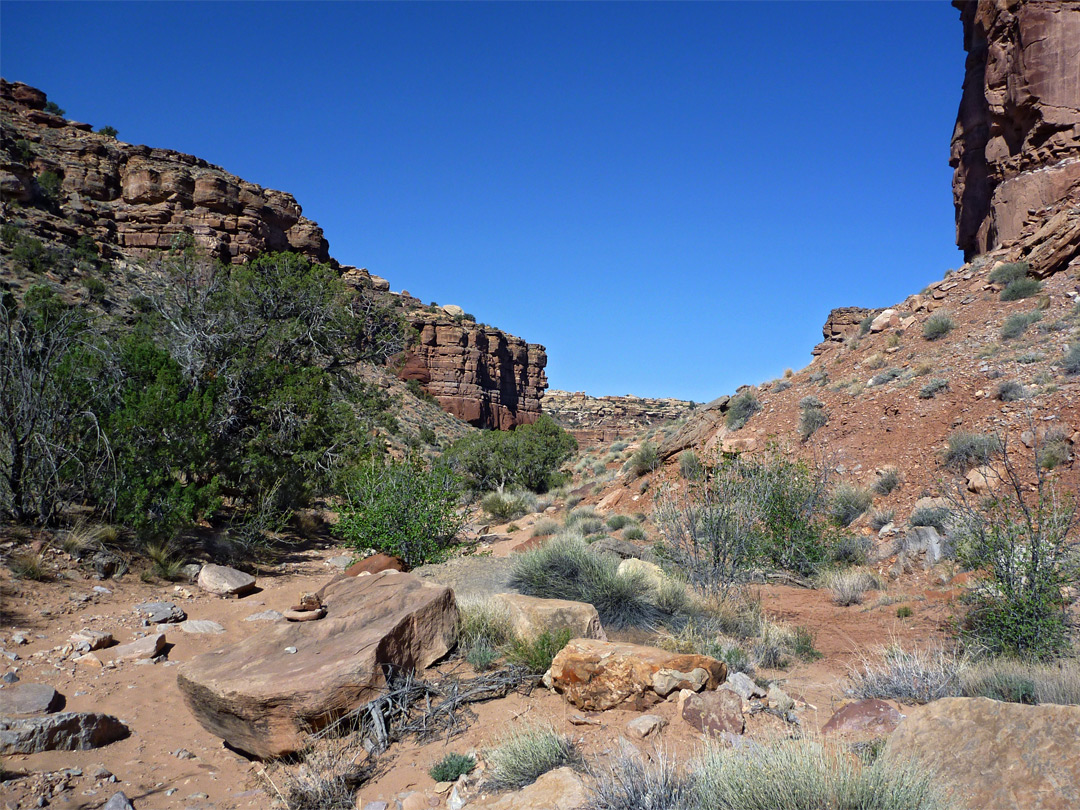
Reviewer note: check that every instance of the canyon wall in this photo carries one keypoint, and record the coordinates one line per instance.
(1016, 145)
(133, 200)
(596, 420)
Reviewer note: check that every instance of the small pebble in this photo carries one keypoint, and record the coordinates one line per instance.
(290, 650)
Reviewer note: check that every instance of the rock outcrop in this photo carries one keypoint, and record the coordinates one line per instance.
(480, 374)
(605, 419)
(1016, 145)
(265, 693)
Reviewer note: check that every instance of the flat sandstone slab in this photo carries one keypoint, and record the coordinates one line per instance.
(264, 700)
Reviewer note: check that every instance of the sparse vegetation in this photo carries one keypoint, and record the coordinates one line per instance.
(888, 479)
(1014, 681)
(812, 416)
(1020, 289)
(690, 466)
(934, 387)
(937, 326)
(1009, 272)
(108, 132)
(616, 522)
(526, 754)
(506, 506)
(545, 527)
(1010, 391)
(741, 407)
(633, 533)
(645, 459)
(886, 376)
(908, 676)
(1070, 363)
(849, 586)
(936, 516)
(28, 565)
(1016, 324)
(966, 450)
(880, 518)
(537, 654)
(848, 502)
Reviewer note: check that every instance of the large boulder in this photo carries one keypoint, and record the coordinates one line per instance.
(991, 754)
(598, 675)
(225, 581)
(265, 693)
(66, 731)
(530, 616)
(30, 698)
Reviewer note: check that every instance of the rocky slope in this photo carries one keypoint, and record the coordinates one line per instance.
(133, 200)
(595, 420)
(1016, 146)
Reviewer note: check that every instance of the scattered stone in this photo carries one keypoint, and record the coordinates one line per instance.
(714, 713)
(864, 715)
(118, 801)
(743, 685)
(101, 772)
(191, 571)
(992, 754)
(102, 590)
(265, 616)
(201, 626)
(19, 639)
(225, 581)
(89, 640)
(9, 677)
(30, 698)
(779, 699)
(183, 753)
(531, 616)
(290, 650)
(644, 725)
(599, 675)
(141, 649)
(666, 681)
(581, 720)
(65, 731)
(262, 702)
(88, 660)
(160, 612)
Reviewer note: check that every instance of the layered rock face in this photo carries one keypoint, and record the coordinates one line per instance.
(137, 198)
(605, 419)
(479, 374)
(1016, 145)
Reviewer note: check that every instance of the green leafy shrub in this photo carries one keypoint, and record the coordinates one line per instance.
(645, 459)
(537, 654)
(934, 387)
(966, 450)
(450, 767)
(937, 326)
(49, 183)
(1016, 324)
(108, 132)
(852, 549)
(1009, 272)
(526, 754)
(403, 509)
(95, 288)
(848, 502)
(633, 533)
(528, 457)
(25, 151)
(52, 108)
(903, 612)
(740, 409)
(418, 391)
(1020, 289)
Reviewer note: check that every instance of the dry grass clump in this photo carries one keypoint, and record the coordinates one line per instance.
(545, 527)
(484, 629)
(524, 755)
(504, 506)
(848, 502)
(83, 537)
(629, 783)
(849, 586)
(909, 676)
(966, 450)
(887, 480)
(326, 779)
(28, 565)
(1023, 682)
(937, 326)
(880, 518)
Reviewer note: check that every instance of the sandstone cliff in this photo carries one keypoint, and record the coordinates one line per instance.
(605, 419)
(133, 200)
(1016, 145)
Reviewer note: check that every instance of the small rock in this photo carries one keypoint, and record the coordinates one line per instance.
(101, 772)
(19, 639)
(290, 650)
(340, 562)
(442, 787)
(118, 801)
(89, 640)
(743, 685)
(139, 650)
(88, 660)
(102, 590)
(265, 616)
(581, 720)
(641, 727)
(455, 801)
(375, 806)
(225, 581)
(779, 699)
(191, 571)
(161, 612)
(30, 698)
(9, 677)
(183, 753)
(65, 731)
(201, 626)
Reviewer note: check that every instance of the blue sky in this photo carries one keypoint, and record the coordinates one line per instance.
(670, 197)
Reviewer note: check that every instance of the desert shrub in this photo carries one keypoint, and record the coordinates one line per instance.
(740, 408)
(1010, 391)
(937, 326)
(848, 502)
(865, 324)
(528, 457)
(94, 287)
(1026, 556)
(875, 361)
(629, 783)
(887, 480)
(545, 527)
(506, 506)
(1009, 272)
(934, 387)
(754, 511)
(537, 654)
(450, 767)
(578, 514)
(886, 376)
(326, 779)
(645, 459)
(812, 416)
(922, 370)
(805, 774)
(1021, 288)
(526, 754)
(483, 620)
(1027, 358)
(618, 446)
(108, 132)
(28, 565)
(1014, 681)
(49, 183)
(565, 568)
(166, 561)
(616, 522)
(52, 108)
(401, 508)
(903, 612)
(880, 518)
(1070, 363)
(1054, 450)
(633, 533)
(908, 676)
(418, 391)
(966, 450)
(852, 549)
(935, 516)
(1015, 325)
(590, 525)
(850, 586)
(690, 466)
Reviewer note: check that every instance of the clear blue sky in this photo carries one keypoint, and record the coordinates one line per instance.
(670, 197)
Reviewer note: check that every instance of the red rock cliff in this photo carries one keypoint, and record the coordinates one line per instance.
(1016, 145)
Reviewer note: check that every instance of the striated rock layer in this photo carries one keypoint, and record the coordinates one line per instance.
(133, 200)
(1016, 145)
(605, 419)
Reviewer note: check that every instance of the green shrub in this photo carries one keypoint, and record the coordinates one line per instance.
(848, 502)
(537, 654)
(95, 288)
(1010, 391)
(740, 408)
(645, 459)
(1071, 362)
(1015, 681)
(880, 518)
(1054, 451)
(25, 151)
(450, 767)
(887, 480)
(1020, 289)
(936, 516)
(633, 533)
(403, 509)
(865, 324)
(49, 183)
(812, 416)
(966, 450)
(507, 506)
(1015, 325)
(565, 568)
(526, 754)
(903, 612)
(1028, 358)
(418, 391)
(484, 628)
(1009, 272)
(690, 466)
(933, 388)
(108, 132)
(528, 457)
(886, 376)
(545, 527)
(852, 549)
(937, 325)
(616, 522)
(52, 108)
